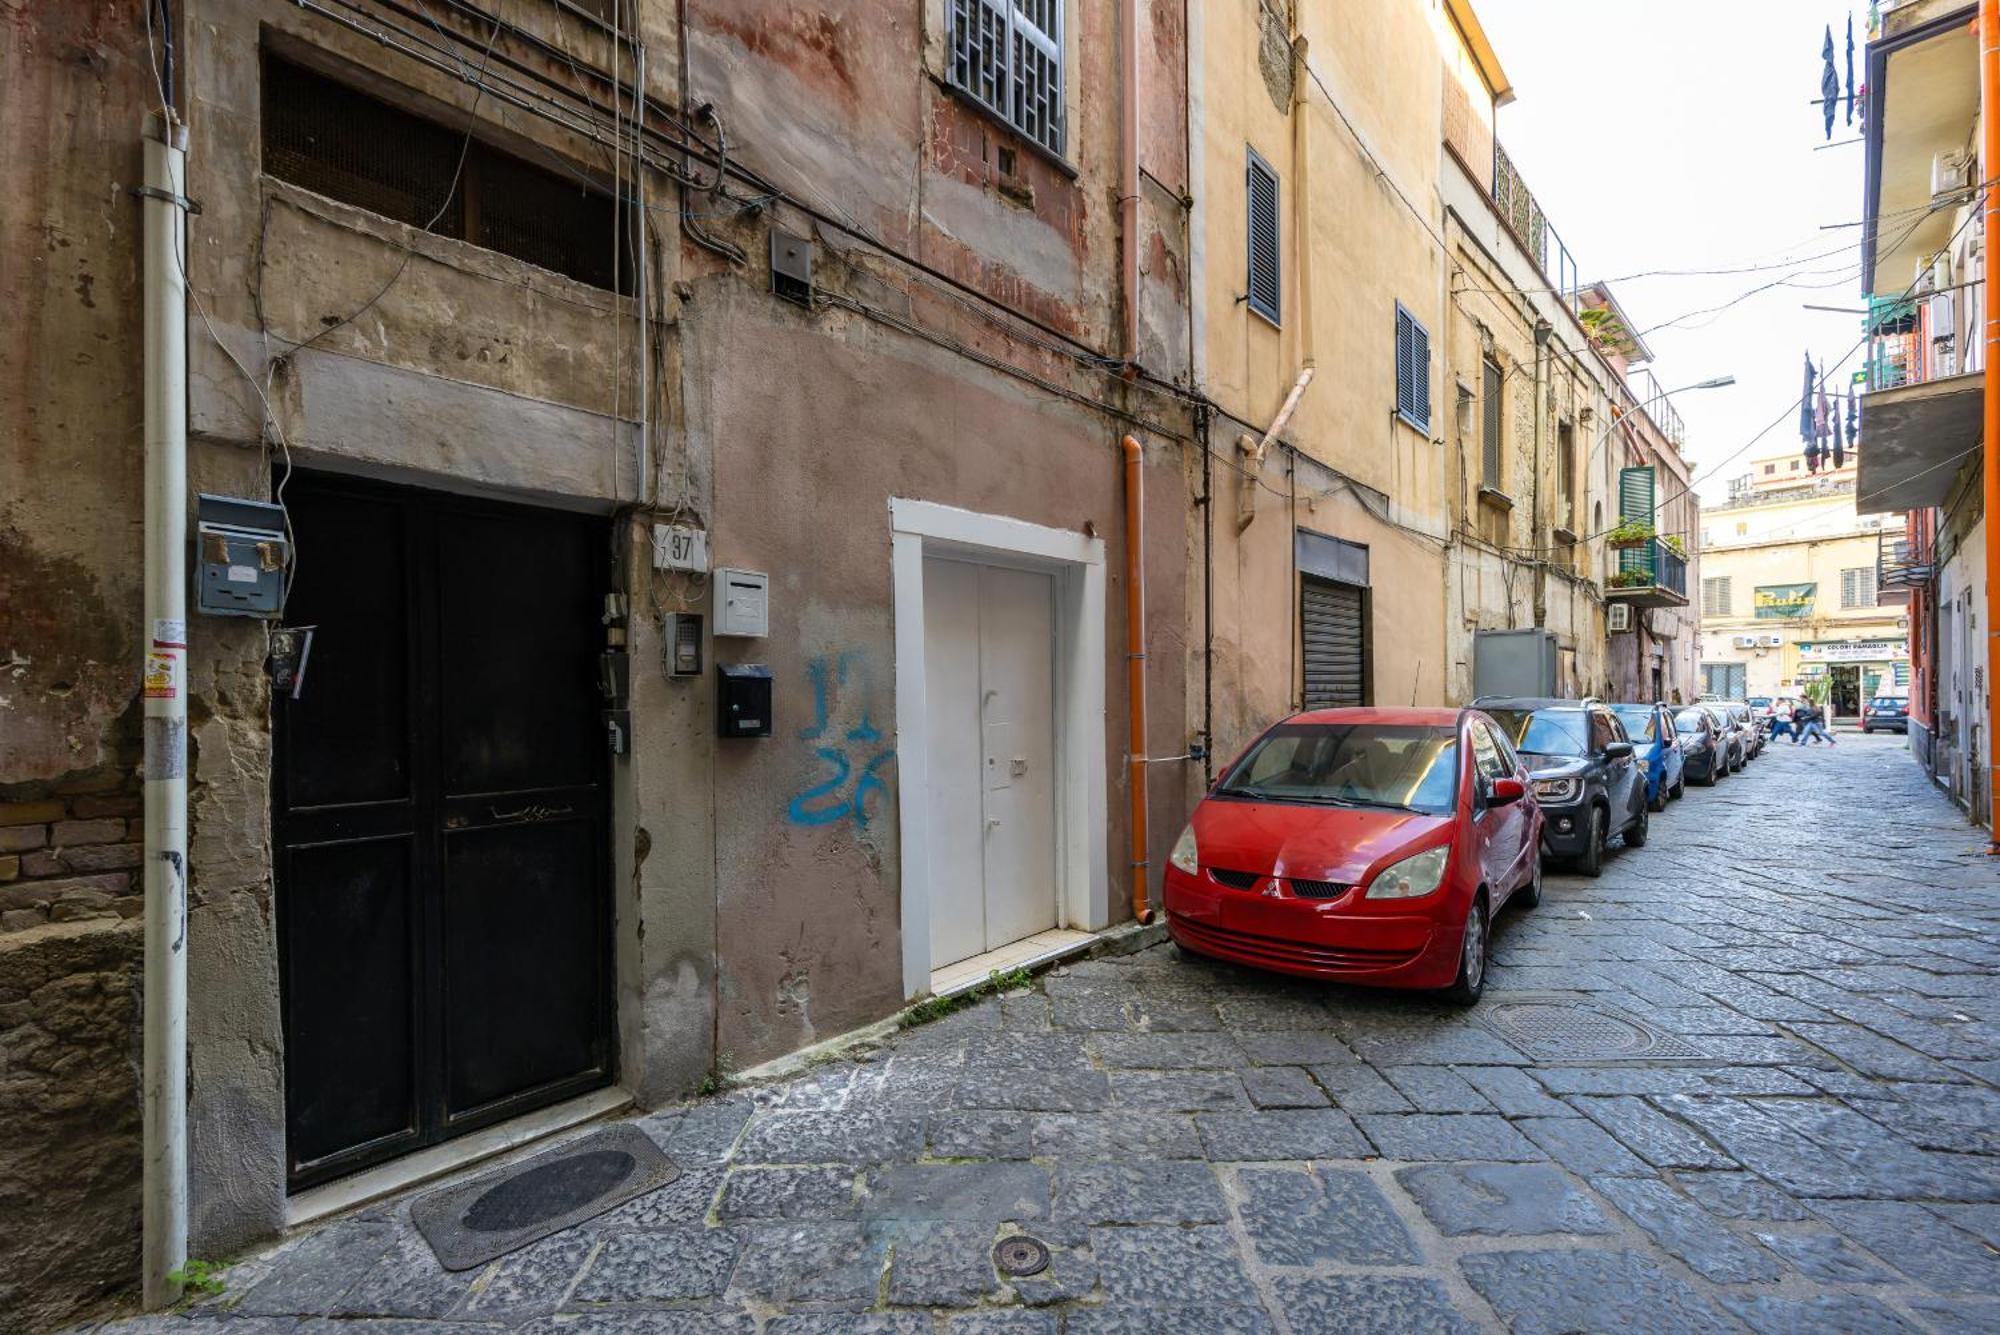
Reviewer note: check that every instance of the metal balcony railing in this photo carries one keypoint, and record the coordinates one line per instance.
(1654, 403)
(1530, 226)
(1915, 340)
(1647, 569)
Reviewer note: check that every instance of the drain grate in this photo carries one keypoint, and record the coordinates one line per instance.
(498, 1212)
(1572, 1029)
(1021, 1256)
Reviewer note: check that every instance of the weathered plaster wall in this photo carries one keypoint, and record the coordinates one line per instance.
(76, 91)
(806, 842)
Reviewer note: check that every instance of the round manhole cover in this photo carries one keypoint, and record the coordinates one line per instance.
(1021, 1257)
(553, 1189)
(1586, 1031)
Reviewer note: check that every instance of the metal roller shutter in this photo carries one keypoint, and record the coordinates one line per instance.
(1334, 633)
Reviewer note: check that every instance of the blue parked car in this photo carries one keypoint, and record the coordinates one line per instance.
(1656, 746)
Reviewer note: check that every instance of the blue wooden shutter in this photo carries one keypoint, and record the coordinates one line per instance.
(1263, 217)
(1413, 370)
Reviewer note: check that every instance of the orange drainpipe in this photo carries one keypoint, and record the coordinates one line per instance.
(1989, 127)
(1135, 667)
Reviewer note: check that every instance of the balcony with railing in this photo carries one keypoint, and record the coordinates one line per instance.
(1530, 226)
(1658, 408)
(1922, 399)
(1648, 574)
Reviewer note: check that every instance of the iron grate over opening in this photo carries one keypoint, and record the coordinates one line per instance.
(1570, 1028)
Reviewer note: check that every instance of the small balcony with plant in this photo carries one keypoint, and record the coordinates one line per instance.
(1647, 569)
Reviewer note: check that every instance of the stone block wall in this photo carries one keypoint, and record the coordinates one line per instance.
(71, 952)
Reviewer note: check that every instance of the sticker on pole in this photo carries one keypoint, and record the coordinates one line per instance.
(162, 675)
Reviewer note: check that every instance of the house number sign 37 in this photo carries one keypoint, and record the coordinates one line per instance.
(678, 547)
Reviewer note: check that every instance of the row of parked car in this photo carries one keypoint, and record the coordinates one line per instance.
(1375, 845)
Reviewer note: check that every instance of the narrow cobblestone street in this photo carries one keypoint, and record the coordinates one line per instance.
(1746, 1079)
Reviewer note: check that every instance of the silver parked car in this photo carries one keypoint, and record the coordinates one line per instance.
(1729, 736)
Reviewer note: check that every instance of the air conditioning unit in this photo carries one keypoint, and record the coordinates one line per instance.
(1770, 641)
(1951, 174)
(1619, 616)
(1745, 641)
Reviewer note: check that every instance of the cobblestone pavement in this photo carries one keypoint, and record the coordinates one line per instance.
(1803, 1134)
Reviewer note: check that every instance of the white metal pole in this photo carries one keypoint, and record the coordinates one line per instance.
(163, 202)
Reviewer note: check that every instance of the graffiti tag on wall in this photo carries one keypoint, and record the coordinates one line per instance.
(853, 756)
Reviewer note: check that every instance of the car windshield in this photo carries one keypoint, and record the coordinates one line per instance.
(1640, 721)
(1759, 701)
(1688, 720)
(1411, 767)
(1548, 732)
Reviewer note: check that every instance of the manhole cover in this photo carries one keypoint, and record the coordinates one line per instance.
(557, 1187)
(1021, 1257)
(1570, 1029)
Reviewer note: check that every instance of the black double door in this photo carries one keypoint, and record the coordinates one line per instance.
(440, 821)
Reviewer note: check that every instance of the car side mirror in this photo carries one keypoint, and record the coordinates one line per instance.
(1617, 750)
(1505, 791)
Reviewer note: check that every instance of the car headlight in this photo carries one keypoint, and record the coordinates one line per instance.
(1413, 877)
(1558, 790)
(1185, 856)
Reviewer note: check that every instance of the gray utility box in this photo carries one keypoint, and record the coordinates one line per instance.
(241, 553)
(1514, 662)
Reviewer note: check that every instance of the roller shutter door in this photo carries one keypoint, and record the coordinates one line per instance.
(1334, 634)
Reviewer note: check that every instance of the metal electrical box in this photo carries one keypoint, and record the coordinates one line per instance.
(1514, 662)
(743, 700)
(683, 644)
(742, 603)
(240, 554)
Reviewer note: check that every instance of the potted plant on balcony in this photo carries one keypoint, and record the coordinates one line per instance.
(1630, 533)
(1629, 579)
(1673, 543)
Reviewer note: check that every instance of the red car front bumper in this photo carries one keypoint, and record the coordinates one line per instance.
(1315, 938)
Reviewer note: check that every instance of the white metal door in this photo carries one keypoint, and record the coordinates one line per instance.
(989, 674)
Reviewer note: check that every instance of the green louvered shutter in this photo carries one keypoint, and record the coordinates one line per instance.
(1635, 503)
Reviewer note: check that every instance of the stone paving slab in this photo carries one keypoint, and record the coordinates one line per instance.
(1210, 1149)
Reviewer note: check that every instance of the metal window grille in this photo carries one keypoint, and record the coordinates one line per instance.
(1007, 54)
(1857, 587)
(1413, 370)
(1716, 597)
(1489, 430)
(1265, 289)
(350, 146)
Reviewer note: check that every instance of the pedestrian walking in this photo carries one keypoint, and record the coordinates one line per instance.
(1781, 720)
(1816, 726)
(1801, 715)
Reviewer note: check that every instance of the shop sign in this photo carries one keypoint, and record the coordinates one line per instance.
(1779, 602)
(1855, 651)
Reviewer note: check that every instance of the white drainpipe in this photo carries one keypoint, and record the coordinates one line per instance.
(163, 203)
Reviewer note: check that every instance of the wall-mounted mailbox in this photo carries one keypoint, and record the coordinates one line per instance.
(743, 700)
(742, 603)
(240, 554)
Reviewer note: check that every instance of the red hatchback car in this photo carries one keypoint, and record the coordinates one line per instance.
(1362, 846)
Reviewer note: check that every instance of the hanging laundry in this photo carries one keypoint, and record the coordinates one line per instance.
(1829, 84)
(1850, 69)
(1854, 419)
(1839, 438)
(1805, 403)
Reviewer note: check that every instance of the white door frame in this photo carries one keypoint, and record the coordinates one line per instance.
(1083, 878)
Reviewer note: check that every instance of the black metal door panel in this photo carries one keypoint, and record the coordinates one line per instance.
(441, 820)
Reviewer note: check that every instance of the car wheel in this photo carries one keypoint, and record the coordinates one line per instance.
(1680, 787)
(1530, 894)
(1471, 957)
(1641, 826)
(1591, 861)
(1658, 801)
(1707, 779)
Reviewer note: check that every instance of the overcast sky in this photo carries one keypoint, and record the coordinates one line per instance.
(1679, 136)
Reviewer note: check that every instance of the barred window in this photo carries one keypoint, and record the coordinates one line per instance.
(1007, 55)
(1857, 587)
(1715, 597)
